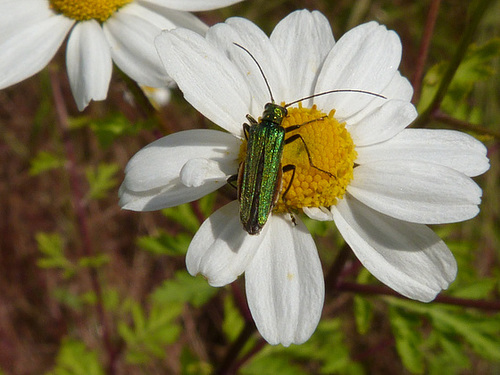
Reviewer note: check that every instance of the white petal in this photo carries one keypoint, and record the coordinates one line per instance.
(409, 258)
(131, 33)
(284, 283)
(88, 62)
(449, 148)
(304, 39)
(318, 213)
(221, 250)
(248, 35)
(29, 49)
(399, 89)
(152, 179)
(366, 58)
(222, 96)
(177, 17)
(383, 123)
(197, 171)
(193, 5)
(16, 16)
(416, 191)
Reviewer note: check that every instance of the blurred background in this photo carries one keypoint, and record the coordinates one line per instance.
(86, 288)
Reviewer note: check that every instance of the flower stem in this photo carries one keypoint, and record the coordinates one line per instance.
(460, 53)
(424, 49)
(80, 212)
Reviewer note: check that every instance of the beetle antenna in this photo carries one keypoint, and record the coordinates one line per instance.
(333, 91)
(261, 71)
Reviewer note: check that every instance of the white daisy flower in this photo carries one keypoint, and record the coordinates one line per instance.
(384, 183)
(100, 31)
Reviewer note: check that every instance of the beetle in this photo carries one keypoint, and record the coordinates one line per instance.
(259, 178)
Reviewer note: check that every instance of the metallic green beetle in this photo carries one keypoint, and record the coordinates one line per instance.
(260, 175)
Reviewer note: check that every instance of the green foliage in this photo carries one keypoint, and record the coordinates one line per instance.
(477, 66)
(75, 359)
(109, 128)
(233, 321)
(363, 311)
(363, 314)
(53, 256)
(51, 247)
(166, 244)
(101, 180)
(45, 161)
(186, 216)
(184, 288)
(191, 365)
(408, 339)
(450, 324)
(148, 334)
(325, 351)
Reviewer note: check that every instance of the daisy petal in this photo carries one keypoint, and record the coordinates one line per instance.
(178, 18)
(88, 62)
(284, 283)
(366, 58)
(131, 33)
(304, 39)
(222, 96)
(30, 49)
(152, 179)
(409, 258)
(19, 15)
(247, 34)
(193, 5)
(449, 148)
(383, 123)
(416, 191)
(318, 213)
(221, 250)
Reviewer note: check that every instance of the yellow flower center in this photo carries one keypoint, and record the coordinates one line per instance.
(84, 10)
(323, 179)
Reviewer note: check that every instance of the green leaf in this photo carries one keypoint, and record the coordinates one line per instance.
(45, 161)
(191, 365)
(233, 321)
(363, 314)
(325, 350)
(166, 244)
(480, 331)
(275, 364)
(148, 335)
(476, 290)
(183, 215)
(51, 247)
(75, 359)
(408, 340)
(483, 335)
(95, 261)
(108, 129)
(184, 288)
(101, 180)
(476, 67)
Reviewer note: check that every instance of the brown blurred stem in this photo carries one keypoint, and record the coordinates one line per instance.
(448, 300)
(80, 212)
(460, 53)
(424, 49)
(229, 364)
(464, 125)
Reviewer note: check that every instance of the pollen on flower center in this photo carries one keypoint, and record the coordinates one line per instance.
(84, 10)
(332, 154)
